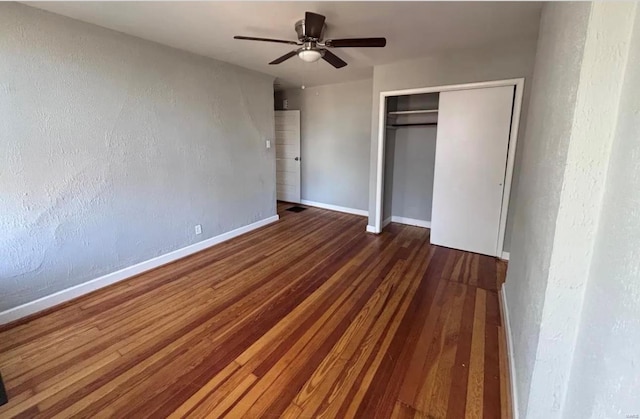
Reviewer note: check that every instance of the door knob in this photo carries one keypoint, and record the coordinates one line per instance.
(297, 158)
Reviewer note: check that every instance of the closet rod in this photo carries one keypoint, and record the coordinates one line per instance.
(414, 112)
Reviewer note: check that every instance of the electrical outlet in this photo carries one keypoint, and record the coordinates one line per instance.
(198, 229)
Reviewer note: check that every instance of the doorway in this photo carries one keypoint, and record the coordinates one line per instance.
(287, 130)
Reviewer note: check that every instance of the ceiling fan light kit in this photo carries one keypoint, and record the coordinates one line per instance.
(310, 32)
(309, 55)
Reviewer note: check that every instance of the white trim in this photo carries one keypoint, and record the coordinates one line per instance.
(512, 367)
(411, 221)
(372, 229)
(511, 158)
(505, 256)
(386, 222)
(382, 120)
(59, 297)
(338, 208)
(451, 87)
(515, 121)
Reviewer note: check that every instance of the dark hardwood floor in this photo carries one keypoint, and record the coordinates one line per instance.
(307, 317)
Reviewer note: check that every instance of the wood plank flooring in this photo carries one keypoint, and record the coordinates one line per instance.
(307, 317)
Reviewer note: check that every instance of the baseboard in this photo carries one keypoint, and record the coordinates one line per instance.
(372, 229)
(338, 208)
(410, 221)
(76, 291)
(512, 368)
(505, 256)
(386, 222)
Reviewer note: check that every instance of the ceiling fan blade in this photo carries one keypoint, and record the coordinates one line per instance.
(285, 57)
(333, 59)
(280, 41)
(313, 23)
(357, 42)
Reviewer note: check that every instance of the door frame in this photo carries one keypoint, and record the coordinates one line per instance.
(513, 139)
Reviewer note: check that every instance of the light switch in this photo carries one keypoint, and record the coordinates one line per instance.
(268, 143)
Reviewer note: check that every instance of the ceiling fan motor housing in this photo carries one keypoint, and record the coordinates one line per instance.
(301, 30)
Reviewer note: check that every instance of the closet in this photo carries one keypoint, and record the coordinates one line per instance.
(410, 152)
(448, 163)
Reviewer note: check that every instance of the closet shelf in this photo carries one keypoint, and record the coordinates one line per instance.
(412, 125)
(417, 111)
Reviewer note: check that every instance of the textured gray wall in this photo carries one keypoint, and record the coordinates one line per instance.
(414, 158)
(544, 150)
(579, 77)
(464, 66)
(605, 375)
(113, 148)
(335, 125)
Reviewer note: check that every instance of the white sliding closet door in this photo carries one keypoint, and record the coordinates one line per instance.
(471, 158)
(288, 156)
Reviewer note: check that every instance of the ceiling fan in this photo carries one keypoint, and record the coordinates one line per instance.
(312, 46)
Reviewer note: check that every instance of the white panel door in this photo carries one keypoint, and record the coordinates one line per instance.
(288, 156)
(471, 158)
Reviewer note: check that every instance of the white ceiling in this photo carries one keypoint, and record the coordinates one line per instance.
(412, 29)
